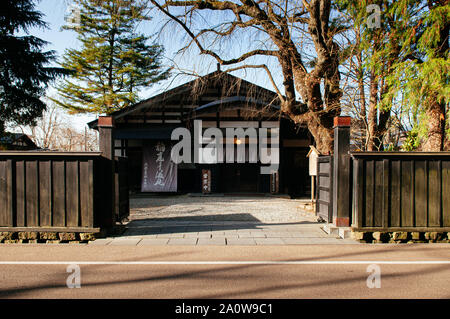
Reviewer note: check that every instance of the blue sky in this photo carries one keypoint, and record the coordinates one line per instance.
(172, 39)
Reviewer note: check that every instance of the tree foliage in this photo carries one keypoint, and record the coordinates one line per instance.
(402, 67)
(24, 70)
(423, 73)
(114, 60)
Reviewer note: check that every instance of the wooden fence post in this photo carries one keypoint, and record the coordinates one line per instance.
(106, 145)
(341, 172)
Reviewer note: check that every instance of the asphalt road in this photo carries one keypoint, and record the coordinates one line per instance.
(303, 271)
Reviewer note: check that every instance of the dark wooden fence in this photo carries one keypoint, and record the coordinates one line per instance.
(401, 191)
(324, 195)
(55, 191)
(122, 189)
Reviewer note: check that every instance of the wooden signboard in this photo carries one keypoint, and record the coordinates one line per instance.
(274, 183)
(206, 181)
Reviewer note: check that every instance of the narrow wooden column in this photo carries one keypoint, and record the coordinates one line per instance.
(106, 145)
(341, 172)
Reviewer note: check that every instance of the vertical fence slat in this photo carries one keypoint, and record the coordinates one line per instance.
(434, 194)
(407, 218)
(378, 194)
(91, 194)
(11, 189)
(386, 191)
(45, 196)
(4, 218)
(445, 193)
(72, 199)
(360, 196)
(6, 194)
(59, 200)
(32, 208)
(420, 191)
(20, 193)
(369, 186)
(330, 189)
(84, 193)
(395, 193)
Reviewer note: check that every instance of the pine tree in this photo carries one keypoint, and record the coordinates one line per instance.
(114, 61)
(23, 72)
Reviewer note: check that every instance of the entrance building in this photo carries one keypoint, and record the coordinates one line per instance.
(222, 101)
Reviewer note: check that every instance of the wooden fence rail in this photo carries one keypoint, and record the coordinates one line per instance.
(54, 191)
(401, 191)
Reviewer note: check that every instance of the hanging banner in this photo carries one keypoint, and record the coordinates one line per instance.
(159, 173)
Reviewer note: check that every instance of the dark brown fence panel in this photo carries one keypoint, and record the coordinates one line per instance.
(45, 193)
(446, 191)
(324, 191)
(6, 199)
(59, 194)
(401, 191)
(20, 194)
(55, 190)
(122, 189)
(86, 191)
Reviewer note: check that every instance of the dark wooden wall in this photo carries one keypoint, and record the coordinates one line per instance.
(53, 190)
(401, 191)
(122, 188)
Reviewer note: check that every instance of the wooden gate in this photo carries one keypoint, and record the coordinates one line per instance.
(324, 191)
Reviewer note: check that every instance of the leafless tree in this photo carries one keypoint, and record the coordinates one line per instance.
(299, 35)
(53, 131)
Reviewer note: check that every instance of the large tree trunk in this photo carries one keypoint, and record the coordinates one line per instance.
(320, 113)
(435, 115)
(373, 112)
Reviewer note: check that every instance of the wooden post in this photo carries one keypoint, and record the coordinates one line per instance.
(341, 172)
(106, 145)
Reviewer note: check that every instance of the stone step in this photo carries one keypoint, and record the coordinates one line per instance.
(342, 232)
(345, 232)
(330, 229)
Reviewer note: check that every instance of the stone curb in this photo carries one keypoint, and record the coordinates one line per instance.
(398, 237)
(36, 237)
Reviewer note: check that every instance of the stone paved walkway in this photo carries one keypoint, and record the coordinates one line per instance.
(185, 220)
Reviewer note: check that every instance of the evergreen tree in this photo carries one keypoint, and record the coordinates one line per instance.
(23, 72)
(405, 61)
(423, 75)
(114, 61)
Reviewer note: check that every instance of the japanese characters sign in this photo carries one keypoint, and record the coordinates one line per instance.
(206, 181)
(159, 173)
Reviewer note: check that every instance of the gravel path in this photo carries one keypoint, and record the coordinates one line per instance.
(226, 208)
